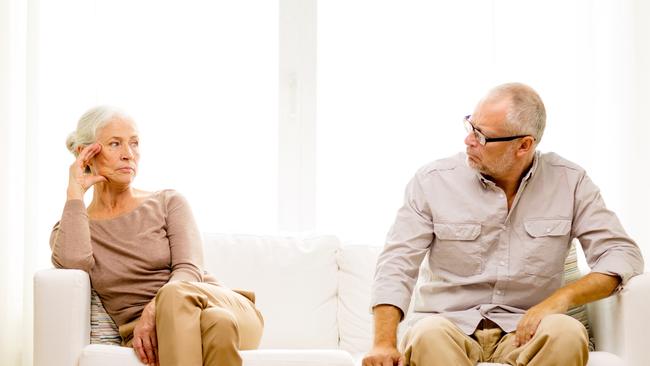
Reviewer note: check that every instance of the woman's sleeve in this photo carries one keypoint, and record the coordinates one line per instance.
(70, 238)
(185, 242)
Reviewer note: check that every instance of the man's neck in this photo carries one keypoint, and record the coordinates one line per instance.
(510, 183)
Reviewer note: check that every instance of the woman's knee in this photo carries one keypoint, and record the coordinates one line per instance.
(173, 294)
(220, 325)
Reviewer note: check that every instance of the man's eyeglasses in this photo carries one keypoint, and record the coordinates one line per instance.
(480, 137)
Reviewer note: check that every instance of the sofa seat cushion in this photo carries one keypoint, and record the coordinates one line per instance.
(107, 355)
(277, 357)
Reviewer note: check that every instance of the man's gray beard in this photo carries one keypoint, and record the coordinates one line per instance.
(502, 165)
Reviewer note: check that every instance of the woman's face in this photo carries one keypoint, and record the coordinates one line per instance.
(119, 156)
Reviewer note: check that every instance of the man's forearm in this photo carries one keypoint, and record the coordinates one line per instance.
(386, 317)
(593, 286)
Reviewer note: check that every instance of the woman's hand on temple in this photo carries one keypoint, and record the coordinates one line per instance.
(145, 342)
(79, 181)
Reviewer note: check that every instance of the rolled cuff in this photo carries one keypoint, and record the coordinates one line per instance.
(624, 268)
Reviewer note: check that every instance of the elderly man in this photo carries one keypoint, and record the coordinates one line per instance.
(495, 225)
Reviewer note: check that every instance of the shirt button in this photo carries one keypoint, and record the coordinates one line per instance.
(499, 292)
(548, 229)
(502, 263)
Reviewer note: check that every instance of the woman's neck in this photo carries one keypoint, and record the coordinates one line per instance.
(111, 200)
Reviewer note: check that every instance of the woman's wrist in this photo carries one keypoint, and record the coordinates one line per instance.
(75, 194)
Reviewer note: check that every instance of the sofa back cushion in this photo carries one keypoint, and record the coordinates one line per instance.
(294, 280)
(357, 268)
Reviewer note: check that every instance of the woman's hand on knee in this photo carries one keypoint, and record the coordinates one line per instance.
(145, 342)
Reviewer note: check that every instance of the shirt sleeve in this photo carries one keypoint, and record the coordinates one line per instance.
(185, 242)
(406, 245)
(70, 238)
(607, 247)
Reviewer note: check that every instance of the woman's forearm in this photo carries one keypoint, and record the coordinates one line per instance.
(70, 239)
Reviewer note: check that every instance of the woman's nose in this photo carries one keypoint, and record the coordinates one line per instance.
(127, 153)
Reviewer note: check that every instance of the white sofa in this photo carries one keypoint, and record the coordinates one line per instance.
(314, 294)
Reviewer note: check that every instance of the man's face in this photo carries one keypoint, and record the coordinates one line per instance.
(494, 159)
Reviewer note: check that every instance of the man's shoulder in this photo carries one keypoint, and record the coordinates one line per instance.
(451, 163)
(554, 160)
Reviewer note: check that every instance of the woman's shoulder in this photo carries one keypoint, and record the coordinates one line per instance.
(170, 198)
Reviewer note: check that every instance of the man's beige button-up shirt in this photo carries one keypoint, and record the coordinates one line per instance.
(482, 261)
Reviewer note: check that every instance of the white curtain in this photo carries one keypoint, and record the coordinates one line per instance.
(393, 79)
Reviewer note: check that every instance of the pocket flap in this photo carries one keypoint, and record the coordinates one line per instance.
(453, 231)
(547, 227)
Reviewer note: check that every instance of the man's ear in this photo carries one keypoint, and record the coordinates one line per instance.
(527, 144)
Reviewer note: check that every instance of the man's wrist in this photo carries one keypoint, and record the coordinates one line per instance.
(383, 342)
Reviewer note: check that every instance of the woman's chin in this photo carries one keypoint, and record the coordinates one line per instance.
(120, 180)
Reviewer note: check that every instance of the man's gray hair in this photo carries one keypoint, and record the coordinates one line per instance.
(526, 114)
(91, 122)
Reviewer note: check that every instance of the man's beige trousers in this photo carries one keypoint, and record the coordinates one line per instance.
(202, 324)
(560, 340)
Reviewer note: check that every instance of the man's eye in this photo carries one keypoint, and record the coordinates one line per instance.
(135, 143)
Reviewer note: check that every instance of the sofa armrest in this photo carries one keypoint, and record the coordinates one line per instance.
(61, 316)
(620, 322)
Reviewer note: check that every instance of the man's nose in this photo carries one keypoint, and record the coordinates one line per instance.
(470, 139)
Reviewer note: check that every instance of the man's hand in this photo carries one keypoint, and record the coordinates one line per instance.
(527, 326)
(384, 351)
(593, 286)
(383, 356)
(145, 342)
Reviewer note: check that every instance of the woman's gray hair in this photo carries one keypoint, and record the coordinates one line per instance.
(91, 122)
(526, 114)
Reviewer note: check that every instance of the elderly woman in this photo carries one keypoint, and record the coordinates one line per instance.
(143, 253)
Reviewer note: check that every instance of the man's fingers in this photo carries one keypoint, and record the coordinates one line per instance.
(379, 361)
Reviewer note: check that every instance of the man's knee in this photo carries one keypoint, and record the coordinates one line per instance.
(564, 328)
(431, 329)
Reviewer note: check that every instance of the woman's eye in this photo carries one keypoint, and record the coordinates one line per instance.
(114, 144)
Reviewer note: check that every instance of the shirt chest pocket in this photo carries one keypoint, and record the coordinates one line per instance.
(546, 247)
(457, 249)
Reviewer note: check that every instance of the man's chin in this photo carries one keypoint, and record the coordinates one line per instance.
(476, 167)
(472, 164)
